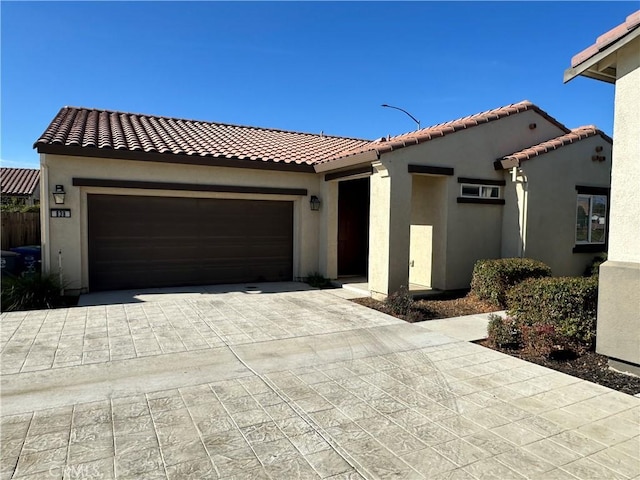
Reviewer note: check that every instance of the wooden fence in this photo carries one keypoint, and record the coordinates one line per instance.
(20, 229)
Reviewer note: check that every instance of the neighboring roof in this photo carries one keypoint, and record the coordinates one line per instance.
(19, 181)
(574, 136)
(606, 44)
(104, 133)
(385, 145)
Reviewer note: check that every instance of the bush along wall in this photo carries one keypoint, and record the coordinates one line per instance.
(492, 279)
(556, 312)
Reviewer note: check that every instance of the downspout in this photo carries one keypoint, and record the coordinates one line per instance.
(44, 219)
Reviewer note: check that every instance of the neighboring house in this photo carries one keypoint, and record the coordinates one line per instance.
(615, 58)
(20, 186)
(155, 201)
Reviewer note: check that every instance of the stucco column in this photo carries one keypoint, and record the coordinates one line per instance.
(618, 330)
(328, 254)
(389, 229)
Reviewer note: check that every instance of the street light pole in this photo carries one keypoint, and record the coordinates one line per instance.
(403, 110)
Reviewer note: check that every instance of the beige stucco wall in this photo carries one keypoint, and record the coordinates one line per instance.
(549, 196)
(473, 231)
(618, 333)
(328, 241)
(389, 233)
(624, 242)
(69, 235)
(428, 231)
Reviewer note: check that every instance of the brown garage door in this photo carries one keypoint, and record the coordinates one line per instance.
(158, 241)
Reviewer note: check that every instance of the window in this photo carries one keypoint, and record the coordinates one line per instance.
(479, 191)
(591, 219)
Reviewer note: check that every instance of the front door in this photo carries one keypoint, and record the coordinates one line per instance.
(353, 227)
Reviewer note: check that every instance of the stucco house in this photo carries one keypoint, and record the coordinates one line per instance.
(615, 58)
(20, 186)
(155, 201)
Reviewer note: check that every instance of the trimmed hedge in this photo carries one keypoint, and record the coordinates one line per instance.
(568, 304)
(504, 332)
(492, 279)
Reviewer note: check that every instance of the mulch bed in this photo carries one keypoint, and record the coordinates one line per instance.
(444, 306)
(589, 366)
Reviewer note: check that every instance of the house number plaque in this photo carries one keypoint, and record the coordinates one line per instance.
(60, 213)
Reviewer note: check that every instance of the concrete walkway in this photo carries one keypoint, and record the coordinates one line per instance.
(288, 383)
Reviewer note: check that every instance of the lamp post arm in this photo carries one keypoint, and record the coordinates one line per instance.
(403, 110)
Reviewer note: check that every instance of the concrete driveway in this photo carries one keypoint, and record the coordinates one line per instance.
(278, 381)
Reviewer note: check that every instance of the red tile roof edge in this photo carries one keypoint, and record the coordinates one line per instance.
(178, 119)
(575, 135)
(94, 133)
(19, 181)
(382, 146)
(603, 41)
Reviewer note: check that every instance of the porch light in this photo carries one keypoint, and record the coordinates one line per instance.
(314, 202)
(58, 195)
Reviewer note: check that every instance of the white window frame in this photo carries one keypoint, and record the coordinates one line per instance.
(590, 216)
(484, 191)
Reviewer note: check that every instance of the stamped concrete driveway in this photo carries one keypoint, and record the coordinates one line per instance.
(276, 381)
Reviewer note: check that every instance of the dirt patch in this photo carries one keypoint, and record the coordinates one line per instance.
(589, 366)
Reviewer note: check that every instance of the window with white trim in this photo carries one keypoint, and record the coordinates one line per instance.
(479, 191)
(591, 219)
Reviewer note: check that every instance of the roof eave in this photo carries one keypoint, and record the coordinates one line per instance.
(590, 67)
(173, 158)
(347, 161)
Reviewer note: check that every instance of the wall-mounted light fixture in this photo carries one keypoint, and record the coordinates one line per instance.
(314, 202)
(532, 126)
(58, 195)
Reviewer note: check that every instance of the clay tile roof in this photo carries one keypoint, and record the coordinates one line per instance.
(19, 181)
(573, 136)
(603, 41)
(108, 130)
(385, 145)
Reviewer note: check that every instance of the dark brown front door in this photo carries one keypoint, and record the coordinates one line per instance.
(137, 241)
(353, 227)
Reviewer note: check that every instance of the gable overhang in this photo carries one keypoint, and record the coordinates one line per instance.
(348, 161)
(510, 161)
(602, 65)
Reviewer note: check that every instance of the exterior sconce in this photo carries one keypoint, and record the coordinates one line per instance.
(58, 195)
(314, 202)
(532, 126)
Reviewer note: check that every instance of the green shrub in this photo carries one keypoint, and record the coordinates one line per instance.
(400, 302)
(14, 206)
(317, 280)
(492, 279)
(569, 304)
(503, 332)
(541, 339)
(594, 266)
(30, 292)
(413, 316)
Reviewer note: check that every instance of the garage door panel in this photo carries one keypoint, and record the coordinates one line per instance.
(157, 241)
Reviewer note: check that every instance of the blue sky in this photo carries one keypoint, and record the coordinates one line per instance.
(295, 65)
